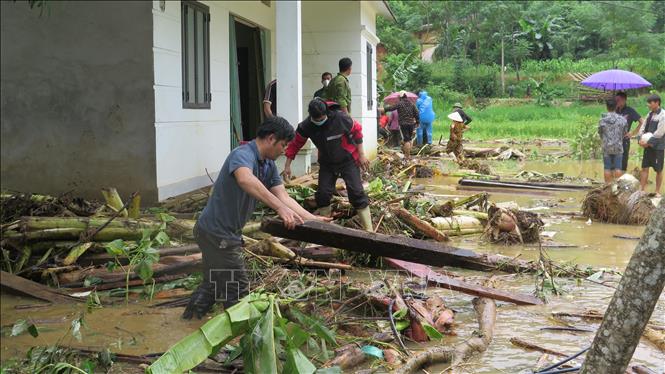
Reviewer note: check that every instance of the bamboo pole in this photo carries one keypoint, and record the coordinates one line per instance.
(113, 200)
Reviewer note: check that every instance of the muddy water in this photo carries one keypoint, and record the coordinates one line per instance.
(138, 329)
(595, 246)
(132, 329)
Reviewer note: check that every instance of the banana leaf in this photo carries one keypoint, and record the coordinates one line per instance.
(195, 348)
(259, 348)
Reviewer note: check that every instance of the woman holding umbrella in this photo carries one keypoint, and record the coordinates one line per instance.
(408, 117)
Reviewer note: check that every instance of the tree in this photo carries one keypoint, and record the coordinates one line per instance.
(632, 303)
(540, 34)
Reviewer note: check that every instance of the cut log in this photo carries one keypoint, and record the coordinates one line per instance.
(509, 191)
(523, 185)
(27, 287)
(304, 262)
(103, 258)
(166, 265)
(420, 225)
(123, 284)
(318, 253)
(434, 278)
(400, 247)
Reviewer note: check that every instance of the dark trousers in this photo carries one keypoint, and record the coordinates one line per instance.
(223, 267)
(348, 171)
(626, 151)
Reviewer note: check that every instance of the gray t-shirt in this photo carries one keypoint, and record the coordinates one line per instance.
(230, 207)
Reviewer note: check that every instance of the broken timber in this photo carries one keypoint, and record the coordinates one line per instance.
(432, 277)
(399, 247)
(524, 185)
(38, 291)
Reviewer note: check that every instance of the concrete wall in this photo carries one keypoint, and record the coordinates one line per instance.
(77, 98)
(189, 141)
(325, 42)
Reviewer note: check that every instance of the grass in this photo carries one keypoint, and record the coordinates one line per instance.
(519, 121)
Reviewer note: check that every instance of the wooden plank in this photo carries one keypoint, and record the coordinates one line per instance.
(432, 277)
(505, 191)
(518, 185)
(399, 247)
(38, 291)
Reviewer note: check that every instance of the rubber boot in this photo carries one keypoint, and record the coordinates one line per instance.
(325, 211)
(366, 219)
(201, 301)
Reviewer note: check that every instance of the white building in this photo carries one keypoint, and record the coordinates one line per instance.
(150, 95)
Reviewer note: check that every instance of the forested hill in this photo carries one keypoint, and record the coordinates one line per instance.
(539, 39)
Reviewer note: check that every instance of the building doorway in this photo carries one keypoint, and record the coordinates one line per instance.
(247, 79)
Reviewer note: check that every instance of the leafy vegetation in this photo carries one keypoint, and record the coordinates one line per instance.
(586, 143)
(270, 342)
(540, 40)
(142, 255)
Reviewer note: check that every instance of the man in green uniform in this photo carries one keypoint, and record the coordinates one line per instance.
(339, 89)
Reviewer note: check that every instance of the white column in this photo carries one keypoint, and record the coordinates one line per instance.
(288, 41)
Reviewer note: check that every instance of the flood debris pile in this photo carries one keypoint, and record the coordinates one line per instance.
(512, 226)
(326, 324)
(84, 245)
(620, 202)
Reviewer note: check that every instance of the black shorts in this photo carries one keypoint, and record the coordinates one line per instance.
(407, 132)
(653, 159)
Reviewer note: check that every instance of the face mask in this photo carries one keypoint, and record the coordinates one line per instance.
(326, 82)
(320, 123)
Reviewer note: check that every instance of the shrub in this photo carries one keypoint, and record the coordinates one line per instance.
(586, 143)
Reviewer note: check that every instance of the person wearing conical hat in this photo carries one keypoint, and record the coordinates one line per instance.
(457, 128)
(457, 107)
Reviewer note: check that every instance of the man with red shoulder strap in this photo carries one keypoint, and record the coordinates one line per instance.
(339, 140)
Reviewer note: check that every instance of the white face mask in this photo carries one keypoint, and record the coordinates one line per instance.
(326, 82)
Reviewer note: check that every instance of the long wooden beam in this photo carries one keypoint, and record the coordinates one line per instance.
(440, 280)
(399, 247)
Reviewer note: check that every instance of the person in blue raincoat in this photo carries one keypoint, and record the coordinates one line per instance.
(424, 104)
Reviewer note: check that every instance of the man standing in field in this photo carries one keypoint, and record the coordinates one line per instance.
(339, 89)
(631, 116)
(409, 120)
(249, 175)
(652, 139)
(611, 129)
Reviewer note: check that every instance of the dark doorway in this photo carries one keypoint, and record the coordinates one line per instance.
(250, 78)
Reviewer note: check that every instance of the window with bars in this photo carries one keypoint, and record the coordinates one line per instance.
(370, 77)
(195, 55)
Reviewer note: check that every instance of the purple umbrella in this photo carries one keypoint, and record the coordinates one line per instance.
(614, 80)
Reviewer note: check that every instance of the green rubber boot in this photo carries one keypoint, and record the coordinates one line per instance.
(366, 219)
(325, 211)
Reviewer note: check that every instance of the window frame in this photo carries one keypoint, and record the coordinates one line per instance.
(370, 75)
(207, 95)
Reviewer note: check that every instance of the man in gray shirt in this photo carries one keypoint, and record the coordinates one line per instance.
(249, 174)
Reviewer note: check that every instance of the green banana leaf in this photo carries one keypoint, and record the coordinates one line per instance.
(259, 347)
(195, 348)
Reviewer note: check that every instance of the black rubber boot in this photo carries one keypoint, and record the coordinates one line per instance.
(201, 301)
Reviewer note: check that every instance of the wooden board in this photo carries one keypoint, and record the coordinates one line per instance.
(27, 287)
(523, 185)
(399, 247)
(432, 277)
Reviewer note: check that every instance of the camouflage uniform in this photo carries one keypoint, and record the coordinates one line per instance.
(455, 142)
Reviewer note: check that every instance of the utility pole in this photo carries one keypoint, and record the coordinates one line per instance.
(503, 70)
(632, 303)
